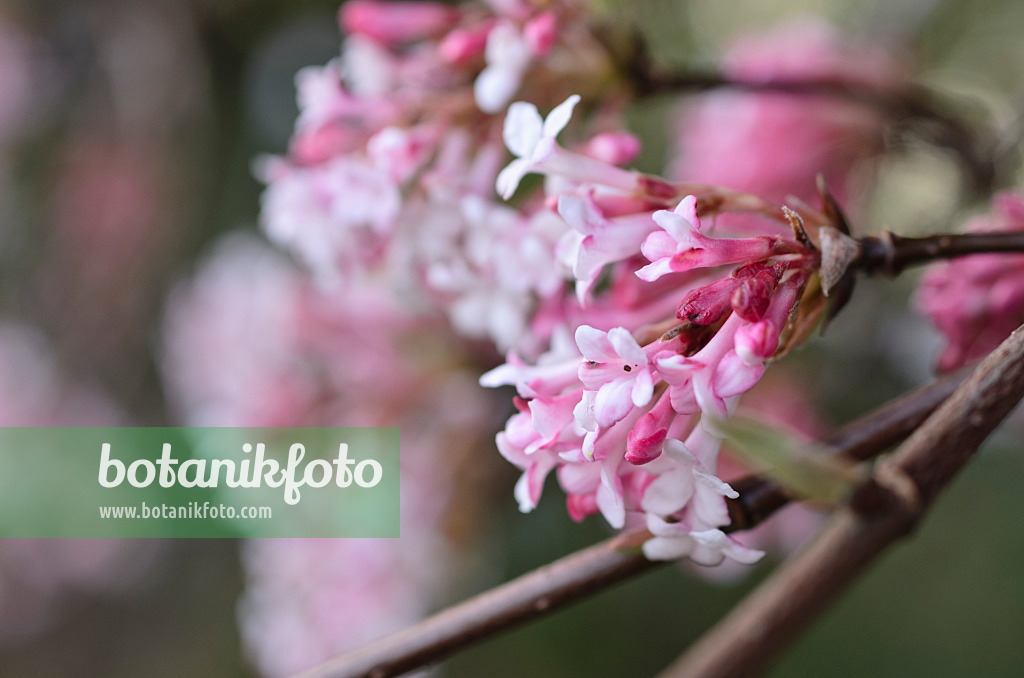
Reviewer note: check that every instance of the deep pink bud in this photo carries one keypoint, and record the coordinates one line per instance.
(706, 305)
(464, 44)
(540, 33)
(393, 23)
(614, 148)
(644, 442)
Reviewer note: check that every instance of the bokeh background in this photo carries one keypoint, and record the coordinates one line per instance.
(127, 134)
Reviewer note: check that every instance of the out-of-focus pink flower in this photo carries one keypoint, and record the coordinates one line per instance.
(249, 341)
(396, 21)
(977, 301)
(541, 32)
(774, 144)
(614, 148)
(532, 140)
(307, 600)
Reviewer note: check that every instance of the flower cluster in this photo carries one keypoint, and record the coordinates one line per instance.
(397, 148)
(977, 301)
(634, 310)
(625, 406)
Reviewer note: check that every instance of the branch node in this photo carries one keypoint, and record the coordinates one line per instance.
(893, 478)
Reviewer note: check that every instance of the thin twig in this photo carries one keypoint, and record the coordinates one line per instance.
(891, 253)
(600, 566)
(886, 508)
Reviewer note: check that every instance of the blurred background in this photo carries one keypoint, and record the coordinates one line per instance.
(128, 129)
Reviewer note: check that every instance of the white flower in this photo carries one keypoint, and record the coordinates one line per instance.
(508, 57)
(531, 140)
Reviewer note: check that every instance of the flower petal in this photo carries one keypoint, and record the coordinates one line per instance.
(509, 178)
(558, 118)
(523, 128)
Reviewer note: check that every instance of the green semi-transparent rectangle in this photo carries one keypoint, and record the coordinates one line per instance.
(51, 484)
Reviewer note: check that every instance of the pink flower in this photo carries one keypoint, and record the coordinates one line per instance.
(555, 371)
(617, 369)
(704, 547)
(541, 32)
(596, 241)
(680, 246)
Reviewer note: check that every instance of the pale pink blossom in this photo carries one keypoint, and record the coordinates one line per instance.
(617, 370)
(615, 148)
(596, 241)
(307, 600)
(461, 45)
(680, 246)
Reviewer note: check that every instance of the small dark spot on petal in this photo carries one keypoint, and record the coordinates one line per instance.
(627, 368)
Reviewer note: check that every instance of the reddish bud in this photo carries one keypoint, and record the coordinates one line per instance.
(754, 294)
(540, 33)
(644, 442)
(706, 305)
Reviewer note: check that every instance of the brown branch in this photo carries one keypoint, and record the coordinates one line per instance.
(598, 567)
(891, 253)
(886, 508)
(859, 440)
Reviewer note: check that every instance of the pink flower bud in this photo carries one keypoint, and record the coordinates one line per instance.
(464, 44)
(391, 23)
(614, 148)
(645, 440)
(541, 33)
